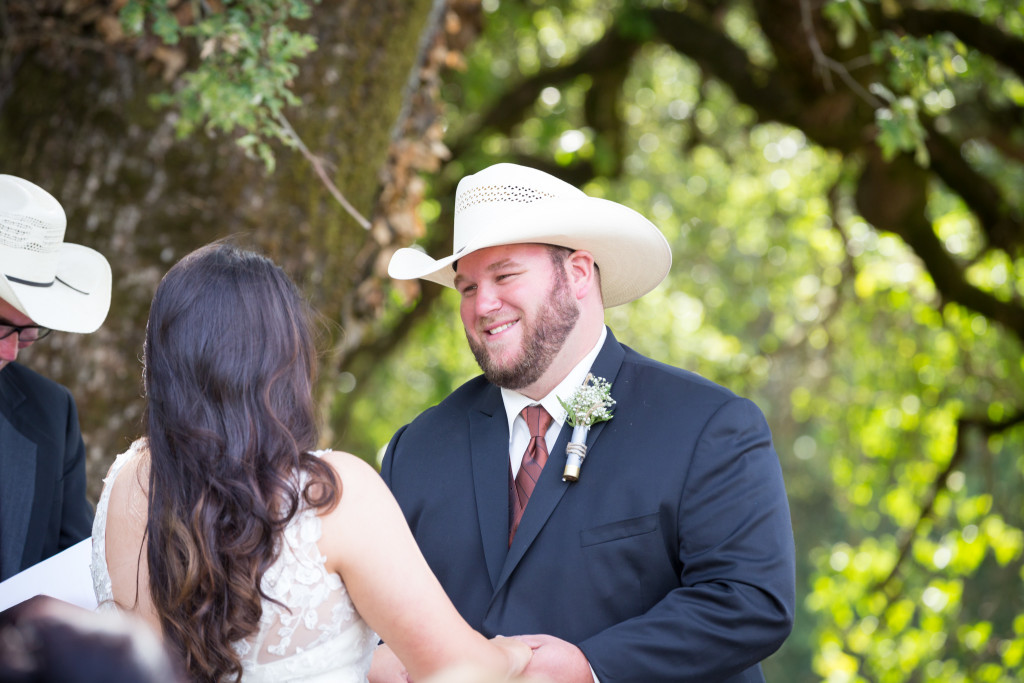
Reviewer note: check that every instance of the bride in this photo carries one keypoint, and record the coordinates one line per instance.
(255, 557)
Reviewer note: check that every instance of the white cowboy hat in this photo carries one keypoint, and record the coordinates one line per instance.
(61, 286)
(511, 204)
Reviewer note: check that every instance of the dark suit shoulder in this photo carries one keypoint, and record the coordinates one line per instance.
(647, 371)
(451, 417)
(477, 392)
(35, 389)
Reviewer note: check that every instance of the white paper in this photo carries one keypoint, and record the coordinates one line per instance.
(65, 576)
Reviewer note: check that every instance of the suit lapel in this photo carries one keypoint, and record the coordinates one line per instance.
(607, 363)
(488, 437)
(17, 481)
(550, 488)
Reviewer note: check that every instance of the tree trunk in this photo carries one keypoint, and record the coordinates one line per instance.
(75, 119)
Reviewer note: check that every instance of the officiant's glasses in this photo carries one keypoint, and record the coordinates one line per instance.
(26, 333)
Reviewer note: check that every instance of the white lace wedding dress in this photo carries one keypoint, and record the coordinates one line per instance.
(321, 638)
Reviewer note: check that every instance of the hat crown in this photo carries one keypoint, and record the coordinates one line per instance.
(498, 194)
(57, 285)
(32, 225)
(498, 189)
(507, 204)
(29, 234)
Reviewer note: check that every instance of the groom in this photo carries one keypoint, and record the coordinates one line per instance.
(671, 558)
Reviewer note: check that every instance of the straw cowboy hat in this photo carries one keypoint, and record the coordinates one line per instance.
(511, 204)
(61, 286)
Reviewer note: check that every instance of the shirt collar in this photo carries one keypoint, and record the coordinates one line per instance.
(515, 402)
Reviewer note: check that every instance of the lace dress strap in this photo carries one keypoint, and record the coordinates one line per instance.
(101, 584)
(310, 626)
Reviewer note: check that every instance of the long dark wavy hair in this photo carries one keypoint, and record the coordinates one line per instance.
(230, 419)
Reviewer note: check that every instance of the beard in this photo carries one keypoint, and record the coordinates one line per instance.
(542, 340)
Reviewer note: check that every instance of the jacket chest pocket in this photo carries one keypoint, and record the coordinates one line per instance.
(627, 566)
(626, 528)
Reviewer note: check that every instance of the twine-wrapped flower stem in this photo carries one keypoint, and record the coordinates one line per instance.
(590, 404)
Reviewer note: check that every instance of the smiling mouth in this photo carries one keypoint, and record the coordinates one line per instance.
(501, 328)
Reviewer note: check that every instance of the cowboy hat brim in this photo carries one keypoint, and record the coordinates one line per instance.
(76, 301)
(631, 253)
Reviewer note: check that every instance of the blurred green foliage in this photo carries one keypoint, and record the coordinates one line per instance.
(887, 356)
(248, 58)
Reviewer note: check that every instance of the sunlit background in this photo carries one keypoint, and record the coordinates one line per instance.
(840, 180)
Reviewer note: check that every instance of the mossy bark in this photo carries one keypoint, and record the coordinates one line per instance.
(78, 123)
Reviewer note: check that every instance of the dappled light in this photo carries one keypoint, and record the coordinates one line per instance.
(839, 182)
(895, 404)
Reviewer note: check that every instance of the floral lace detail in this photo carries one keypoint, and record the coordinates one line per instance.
(314, 634)
(317, 609)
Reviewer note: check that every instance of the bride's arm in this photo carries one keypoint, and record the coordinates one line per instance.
(367, 541)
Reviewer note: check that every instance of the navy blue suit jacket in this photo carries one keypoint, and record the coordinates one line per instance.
(671, 559)
(43, 505)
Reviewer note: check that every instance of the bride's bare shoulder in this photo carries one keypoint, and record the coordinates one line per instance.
(349, 466)
(125, 529)
(366, 519)
(361, 486)
(128, 490)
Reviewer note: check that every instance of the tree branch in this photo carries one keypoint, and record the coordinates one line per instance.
(321, 173)
(987, 428)
(608, 54)
(716, 53)
(985, 38)
(980, 194)
(892, 196)
(980, 117)
(825, 65)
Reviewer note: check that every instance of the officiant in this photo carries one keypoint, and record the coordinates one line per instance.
(45, 285)
(628, 514)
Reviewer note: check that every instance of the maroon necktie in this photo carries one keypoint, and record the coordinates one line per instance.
(538, 421)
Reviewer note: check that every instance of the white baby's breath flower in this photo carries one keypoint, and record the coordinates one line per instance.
(590, 404)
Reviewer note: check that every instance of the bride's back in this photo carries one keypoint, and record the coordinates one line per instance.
(309, 626)
(214, 519)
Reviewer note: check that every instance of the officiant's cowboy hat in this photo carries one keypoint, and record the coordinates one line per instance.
(61, 286)
(511, 204)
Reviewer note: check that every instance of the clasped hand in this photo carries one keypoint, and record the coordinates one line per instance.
(535, 657)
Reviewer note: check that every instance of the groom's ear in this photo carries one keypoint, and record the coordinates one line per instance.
(583, 274)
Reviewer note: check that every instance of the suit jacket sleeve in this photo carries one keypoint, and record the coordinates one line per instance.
(76, 513)
(389, 453)
(735, 600)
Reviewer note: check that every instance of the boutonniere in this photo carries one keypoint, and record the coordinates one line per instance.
(590, 404)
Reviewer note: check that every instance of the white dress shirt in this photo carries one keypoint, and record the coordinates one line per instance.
(519, 433)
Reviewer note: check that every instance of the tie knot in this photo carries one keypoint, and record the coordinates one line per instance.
(537, 420)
